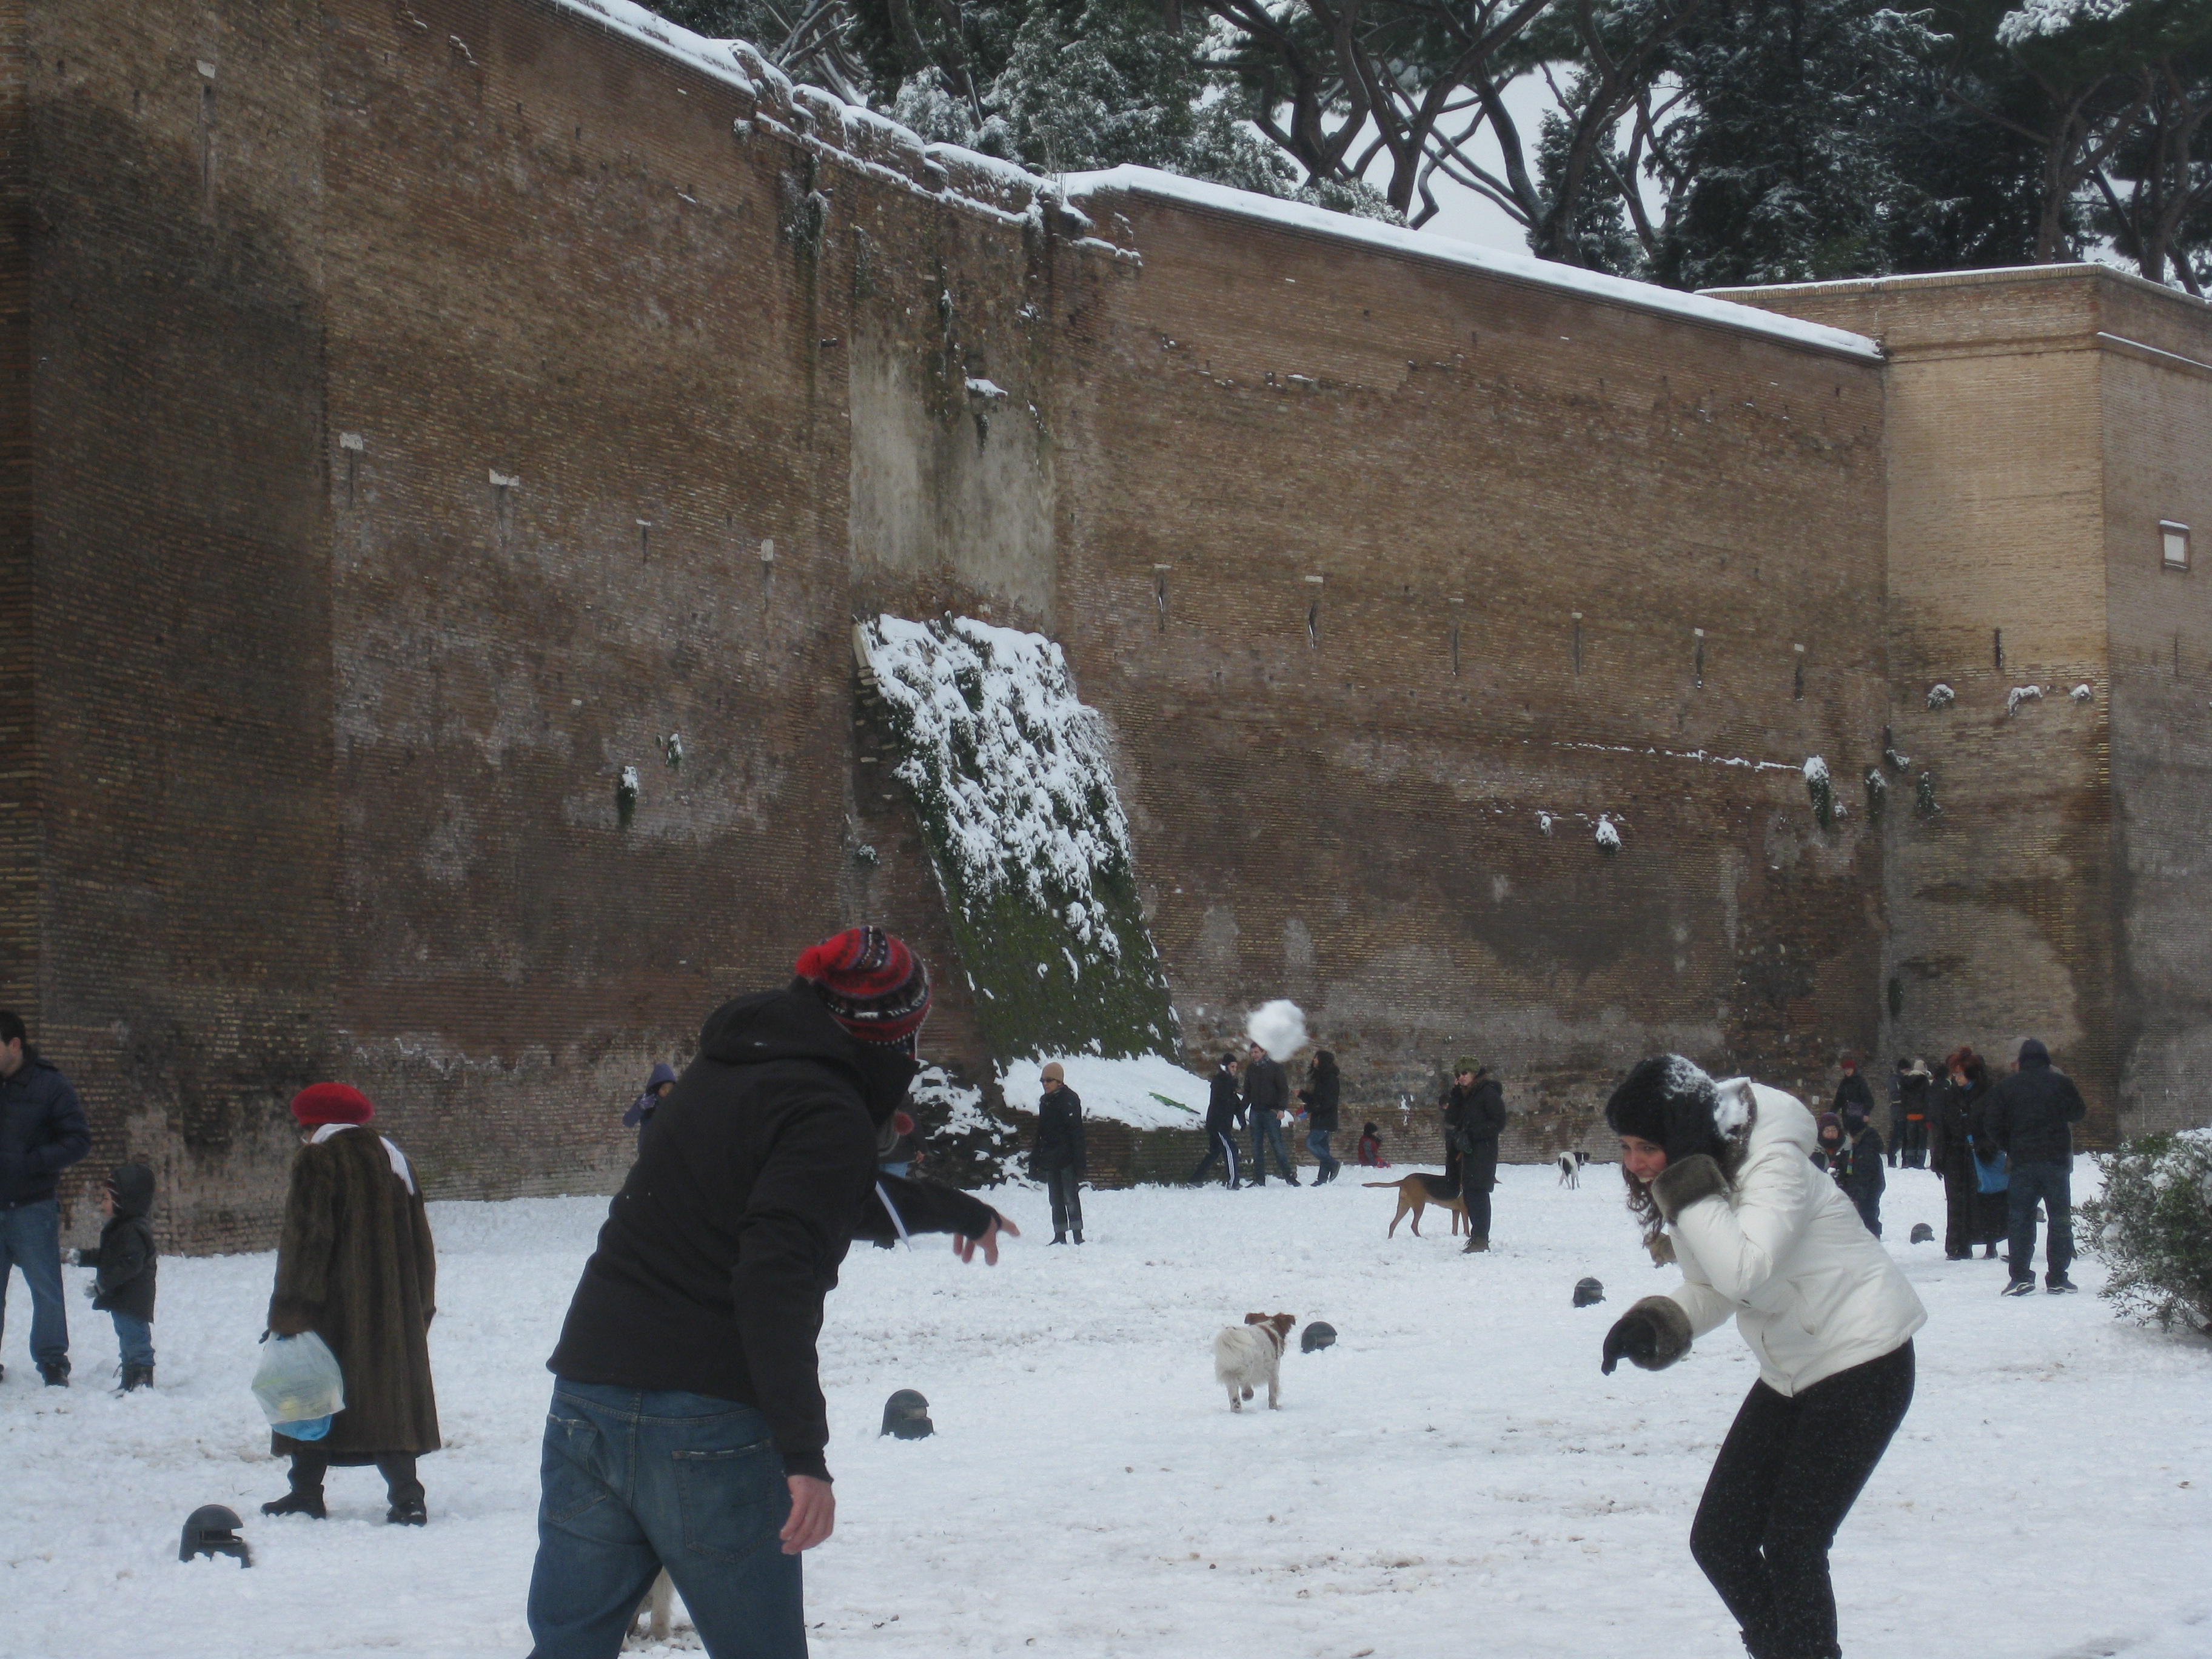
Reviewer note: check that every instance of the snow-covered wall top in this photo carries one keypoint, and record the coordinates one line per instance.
(1492, 262)
(863, 138)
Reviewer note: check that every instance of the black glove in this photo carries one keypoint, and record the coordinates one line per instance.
(1633, 1336)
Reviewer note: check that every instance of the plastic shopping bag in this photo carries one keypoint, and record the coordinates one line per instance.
(299, 1386)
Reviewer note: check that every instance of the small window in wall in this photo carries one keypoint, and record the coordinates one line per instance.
(2173, 545)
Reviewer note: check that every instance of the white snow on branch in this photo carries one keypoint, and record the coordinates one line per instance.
(1681, 754)
(1816, 771)
(2081, 693)
(1941, 695)
(1018, 767)
(982, 388)
(2043, 18)
(2021, 694)
(1607, 838)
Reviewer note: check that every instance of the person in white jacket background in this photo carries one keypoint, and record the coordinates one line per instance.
(1721, 1176)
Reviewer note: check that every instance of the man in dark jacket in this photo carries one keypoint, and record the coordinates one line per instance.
(1474, 1116)
(1224, 1113)
(42, 1132)
(1852, 1094)
(1321, 1095)
(2031, 1117)
(1267, 1096)
(1857, 1169)
(122, 1287)
(1910, 1115)
(1057, 1159)
(688, 1426)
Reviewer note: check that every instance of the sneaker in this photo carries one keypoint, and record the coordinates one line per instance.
(2018, 1287)
(2061, 1286)
(54, 1373)
(408, 1512)
(1475, 1247)
(308, 1502)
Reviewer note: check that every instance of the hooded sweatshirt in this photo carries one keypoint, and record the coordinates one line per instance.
(2033, 1112)
(711, 1270)
(126, 1257)
(1783, 1250)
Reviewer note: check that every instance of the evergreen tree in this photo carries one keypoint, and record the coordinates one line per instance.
(1783, 165)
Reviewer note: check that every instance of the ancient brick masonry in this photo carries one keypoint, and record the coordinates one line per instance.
(424, 418)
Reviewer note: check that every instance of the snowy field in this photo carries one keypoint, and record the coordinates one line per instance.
(1455, 1477)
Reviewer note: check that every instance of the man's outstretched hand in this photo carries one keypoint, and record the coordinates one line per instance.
(965, 1248)
(813, 1513)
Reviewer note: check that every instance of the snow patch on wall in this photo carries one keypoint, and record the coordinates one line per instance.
(1014, 786)
(1145, 1091)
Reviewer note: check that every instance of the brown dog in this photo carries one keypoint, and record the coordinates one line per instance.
(1416, 1193)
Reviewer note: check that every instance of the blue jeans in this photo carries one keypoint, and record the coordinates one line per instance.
(135, 1336)
(631, 1482)
(2054, 1184)
(31, 1239)
(1317, 1144)
(1267, 1131)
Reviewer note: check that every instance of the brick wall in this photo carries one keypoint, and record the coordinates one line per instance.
(437, 408)
(2041, 422)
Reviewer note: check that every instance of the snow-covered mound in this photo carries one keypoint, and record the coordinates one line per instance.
(1146, 1092)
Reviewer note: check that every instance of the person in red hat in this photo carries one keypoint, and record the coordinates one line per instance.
(355, 1265)
(688, 1427)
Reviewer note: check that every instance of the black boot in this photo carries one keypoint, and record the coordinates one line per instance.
(408, 1512)
(300, 1500)
(1060, 1238)
(138, 1376)
(1078, 1235)
(54, 1373)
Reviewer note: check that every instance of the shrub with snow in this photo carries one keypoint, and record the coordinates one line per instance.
(2081, 693)
(1925, 801)
(1608, 838)
(2021, 694)
(2152, 1227)
(1877, 792)
(1941, 695)
(626, 795)
(1015, 793)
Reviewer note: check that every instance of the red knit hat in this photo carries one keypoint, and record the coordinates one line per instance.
(331, 1103)
(872, 985)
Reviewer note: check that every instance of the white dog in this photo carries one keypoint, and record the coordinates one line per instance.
(1251, 1354)
(655, 1615)
(1570, 1167)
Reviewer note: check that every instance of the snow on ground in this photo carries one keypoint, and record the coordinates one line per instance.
(1455, 1476)
(1143, 1091)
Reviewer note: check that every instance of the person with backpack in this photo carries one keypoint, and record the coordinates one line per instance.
(1474, 1116)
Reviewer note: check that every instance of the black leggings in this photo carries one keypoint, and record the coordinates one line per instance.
(1787, 1475)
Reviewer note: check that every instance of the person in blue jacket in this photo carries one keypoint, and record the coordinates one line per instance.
(42, 1132)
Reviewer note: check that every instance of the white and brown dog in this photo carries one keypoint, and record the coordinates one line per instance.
(1247, 1355)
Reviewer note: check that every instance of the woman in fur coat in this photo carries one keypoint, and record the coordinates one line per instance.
(1722, 1177)
(355, 1265)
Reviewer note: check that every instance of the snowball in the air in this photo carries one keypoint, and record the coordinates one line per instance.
(1279, 1027)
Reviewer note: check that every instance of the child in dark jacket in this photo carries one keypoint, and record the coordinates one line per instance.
(126, 1259)
(1857, 1166)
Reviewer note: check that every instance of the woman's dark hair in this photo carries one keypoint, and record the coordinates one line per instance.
(1323, 1060)
(1644, 1207)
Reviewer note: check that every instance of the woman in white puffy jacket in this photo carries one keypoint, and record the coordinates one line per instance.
(1721, 1175)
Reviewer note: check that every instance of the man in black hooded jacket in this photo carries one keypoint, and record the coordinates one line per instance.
(2031, 1115)
(688, 1426)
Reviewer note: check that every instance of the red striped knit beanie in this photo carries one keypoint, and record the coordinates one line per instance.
(872, 985)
